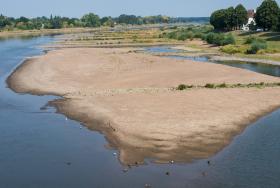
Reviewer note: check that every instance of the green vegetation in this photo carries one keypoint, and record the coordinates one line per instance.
(209, 86)
(220, 39)
(88, 20)
(252, 43)
(91, 20)
(256, 46)
(184, 87)
(204, 32)
(190, 32)
(233, 49)
(229, 19)
(224, 85)
(252, 39)
(267, 15)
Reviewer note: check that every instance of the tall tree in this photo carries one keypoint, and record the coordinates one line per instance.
(267, 15)
(230, 18)
(218, 19)
(91, 20)
(241, 16)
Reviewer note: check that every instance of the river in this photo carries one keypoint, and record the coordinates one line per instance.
(42, 149)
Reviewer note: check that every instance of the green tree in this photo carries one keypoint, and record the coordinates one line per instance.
(4, 21)
(218, 19)
(240, 16)
(267, 15)
(230, 18)
(91, 20)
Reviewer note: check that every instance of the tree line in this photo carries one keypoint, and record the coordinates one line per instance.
(267, 17)
(88, 20)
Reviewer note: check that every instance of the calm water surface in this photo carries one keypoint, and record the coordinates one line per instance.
(272, 70)
(41, 149)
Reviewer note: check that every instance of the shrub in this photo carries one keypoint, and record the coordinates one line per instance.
(181, 87)
(210, 86)
(183, 36)
(252, 39)
(231, 49)
(223, 85)
(256, 46)
(229, 39)
(219, 39)
(210, 38)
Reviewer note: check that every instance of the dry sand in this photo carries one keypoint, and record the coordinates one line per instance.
(126, 96)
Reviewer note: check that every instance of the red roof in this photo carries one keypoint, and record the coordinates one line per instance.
(251, 13)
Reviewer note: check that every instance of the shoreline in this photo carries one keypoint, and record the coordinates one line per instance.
(96, 111)
(249, 60)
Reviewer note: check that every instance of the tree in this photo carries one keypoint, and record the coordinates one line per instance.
(4, 21)
(267, 15)
(230, 18)
(218, 19)
(56, 22)
(128, 19)
(240, 16)
(91, 20)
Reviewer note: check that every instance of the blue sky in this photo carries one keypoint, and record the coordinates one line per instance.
(76, 8)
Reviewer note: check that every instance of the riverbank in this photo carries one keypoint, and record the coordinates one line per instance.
(33, 33)
(127, 96)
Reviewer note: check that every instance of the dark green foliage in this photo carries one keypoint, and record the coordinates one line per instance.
(229, 19)
(4, 21)
(91, 20)
(228, 39)
(240, 16)
(88, 20)
(210, 86)
(218, 19)
(256, 46)
(187, 33)
(267, 15)
(182, 87)
(219, 39)
(251, 39)
(138, 20)
(223, 85)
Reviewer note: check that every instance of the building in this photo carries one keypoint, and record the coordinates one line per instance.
(251, 20)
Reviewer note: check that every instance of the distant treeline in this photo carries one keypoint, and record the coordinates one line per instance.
(267, 17)
(88, 20)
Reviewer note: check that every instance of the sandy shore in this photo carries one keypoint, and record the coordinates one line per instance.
(127, 97)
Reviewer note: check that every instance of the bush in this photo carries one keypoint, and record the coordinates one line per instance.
(184, 87)
(223, 85)
(229, 39)
(251, 39)
(210, 86)
(232, 49)
(181, 87)
(219, 39)
(210, 38)
(256, 46)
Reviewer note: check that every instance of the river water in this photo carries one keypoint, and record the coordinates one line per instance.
(42, 149)
(271, 70)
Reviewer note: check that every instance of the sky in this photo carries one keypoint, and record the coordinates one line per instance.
(77, 8)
